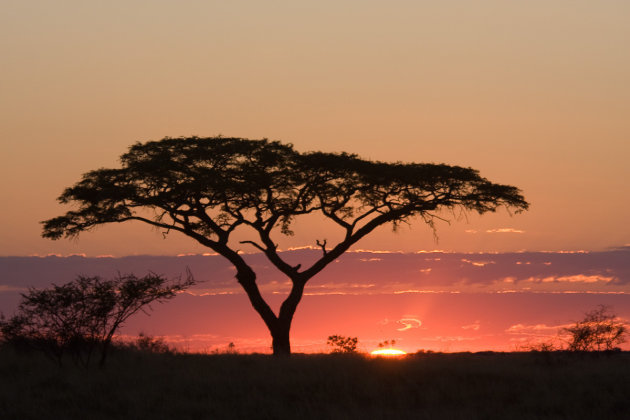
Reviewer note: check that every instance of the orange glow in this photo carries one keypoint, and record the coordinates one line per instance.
(388, 353)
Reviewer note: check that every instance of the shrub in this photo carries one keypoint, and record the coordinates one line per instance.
(341, 344)
(150, 344)
(387, 343)
(599, 330)
(82, 316)
(229, 349)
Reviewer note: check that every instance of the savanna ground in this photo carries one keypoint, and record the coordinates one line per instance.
(144, 385)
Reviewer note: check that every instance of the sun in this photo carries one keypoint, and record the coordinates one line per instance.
(388, 352)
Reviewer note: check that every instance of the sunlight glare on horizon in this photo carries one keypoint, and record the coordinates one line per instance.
(388, 353)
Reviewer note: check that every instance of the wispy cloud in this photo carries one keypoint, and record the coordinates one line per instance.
(477, 263)
(474, 326)
(535, 329)
(578, 278)
(423, 291)
(358, 273)
(302, 248)
(409, 323)
(499, 230)
(212, 292)
(451, 338)
(7, 288)
(368, 251)
(505, 230)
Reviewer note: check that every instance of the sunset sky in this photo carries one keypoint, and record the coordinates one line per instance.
(534, 94)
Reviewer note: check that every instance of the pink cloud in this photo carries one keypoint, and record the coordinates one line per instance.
(474, 326)
(578, 278)
(535, 329)
(477, 263)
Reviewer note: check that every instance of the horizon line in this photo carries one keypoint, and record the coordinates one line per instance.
(625, 247)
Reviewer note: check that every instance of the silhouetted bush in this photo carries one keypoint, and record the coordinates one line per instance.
(540, 346)
(150, 344)
(82, 316)
(387, 343)
(341, 344)
(599, 330)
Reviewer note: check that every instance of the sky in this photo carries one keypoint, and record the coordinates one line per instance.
(533, 94)
(438, 301)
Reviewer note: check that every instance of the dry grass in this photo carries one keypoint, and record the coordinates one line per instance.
(137, 385)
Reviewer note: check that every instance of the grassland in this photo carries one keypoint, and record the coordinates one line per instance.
(140, 385)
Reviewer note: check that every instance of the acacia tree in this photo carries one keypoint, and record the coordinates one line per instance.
(206, 188)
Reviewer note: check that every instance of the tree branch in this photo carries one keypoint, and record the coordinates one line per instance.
(322, 245)
(350, 240)
(254, 244)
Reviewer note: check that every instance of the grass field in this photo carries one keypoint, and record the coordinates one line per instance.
(140, 385)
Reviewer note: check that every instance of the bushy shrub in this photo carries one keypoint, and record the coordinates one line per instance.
(150, 344)
(82, 316)
(599, 330)
(387, 343)
(341, 344)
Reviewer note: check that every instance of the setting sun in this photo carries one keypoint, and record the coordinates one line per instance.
(388, 353)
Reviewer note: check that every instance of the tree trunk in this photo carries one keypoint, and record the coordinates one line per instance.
(280, 331)
(279, 326)
(281, 344)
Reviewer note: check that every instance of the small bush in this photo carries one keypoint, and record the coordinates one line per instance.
(540, 346)
(341, 344)
(387, 343)
(229, 349)
(150, 344)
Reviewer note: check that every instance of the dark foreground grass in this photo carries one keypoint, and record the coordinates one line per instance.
(137, 385)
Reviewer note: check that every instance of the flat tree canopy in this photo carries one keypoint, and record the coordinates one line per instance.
(206, 188)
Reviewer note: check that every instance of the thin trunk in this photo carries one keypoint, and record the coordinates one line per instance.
(105, 349)
(107, 341)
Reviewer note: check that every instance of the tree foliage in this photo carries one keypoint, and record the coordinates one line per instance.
(80, 316)
(599, 330)
(266, 184)
(206, 188)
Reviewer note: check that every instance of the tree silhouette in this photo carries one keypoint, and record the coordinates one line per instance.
(342, 344)
(599, 330)
(82, 315)
(206, 188)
